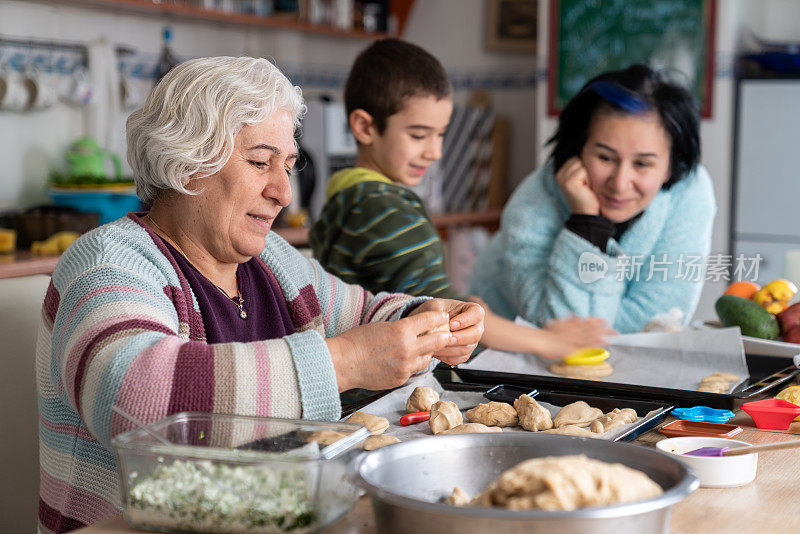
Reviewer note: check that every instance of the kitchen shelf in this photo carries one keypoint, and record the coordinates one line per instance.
(399, 8)
(23, 263)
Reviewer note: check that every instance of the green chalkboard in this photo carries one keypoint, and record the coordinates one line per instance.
(588, 37)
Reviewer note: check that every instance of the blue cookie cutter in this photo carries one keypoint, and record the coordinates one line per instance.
(703, 413)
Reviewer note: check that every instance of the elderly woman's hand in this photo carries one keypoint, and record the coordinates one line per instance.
(573, 180)
(466, 327)
(384, 355)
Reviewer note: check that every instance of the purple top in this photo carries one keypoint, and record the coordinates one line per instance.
(267, 314)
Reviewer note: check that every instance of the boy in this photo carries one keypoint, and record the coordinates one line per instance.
(373, 230)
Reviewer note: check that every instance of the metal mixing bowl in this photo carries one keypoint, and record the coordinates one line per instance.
(407, 482)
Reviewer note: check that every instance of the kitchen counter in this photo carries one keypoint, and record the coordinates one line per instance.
(769, 504)
(23, 263)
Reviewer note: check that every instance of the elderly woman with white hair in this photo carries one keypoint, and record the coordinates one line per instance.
(196, 305)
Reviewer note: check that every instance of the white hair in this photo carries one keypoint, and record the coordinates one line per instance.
(188, 123)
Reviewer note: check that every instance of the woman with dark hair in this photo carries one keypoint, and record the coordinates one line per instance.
(617, 224)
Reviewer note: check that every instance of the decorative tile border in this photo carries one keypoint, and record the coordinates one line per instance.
(52, 58)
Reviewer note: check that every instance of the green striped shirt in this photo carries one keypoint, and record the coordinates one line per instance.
(378, 235)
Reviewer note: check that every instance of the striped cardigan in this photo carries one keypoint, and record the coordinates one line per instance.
(122, 327)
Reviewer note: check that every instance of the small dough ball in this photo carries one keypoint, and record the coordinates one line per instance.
(613, 419)
(471, 428)
(494, 414)
(583, 372)
(459, 497)
(728, 377)
(577, 413)
(421, 399)
(374, 423)
(566, 483)
(326, 437)
(441, 328)
(532, 415)
(571, 430)
(376, 442)
(717, 382)
(444, 416)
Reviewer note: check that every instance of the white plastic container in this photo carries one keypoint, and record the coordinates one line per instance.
(713, 471)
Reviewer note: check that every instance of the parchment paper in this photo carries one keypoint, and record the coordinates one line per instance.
(676, 360)
(392, 406)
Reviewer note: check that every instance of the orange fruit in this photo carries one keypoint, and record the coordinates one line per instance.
(744, 289)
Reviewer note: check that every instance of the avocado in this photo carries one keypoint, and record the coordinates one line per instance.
(749, 316)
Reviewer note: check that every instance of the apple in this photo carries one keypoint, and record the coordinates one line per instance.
(789, 318)
(793, 335)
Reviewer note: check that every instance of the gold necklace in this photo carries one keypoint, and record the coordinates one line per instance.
(238, 300)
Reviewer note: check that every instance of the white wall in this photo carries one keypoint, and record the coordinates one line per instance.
(453, 31)
(32, 144)
(769, 19)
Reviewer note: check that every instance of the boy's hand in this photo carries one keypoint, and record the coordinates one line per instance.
(573, 179)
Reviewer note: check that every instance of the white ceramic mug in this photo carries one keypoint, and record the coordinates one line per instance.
(14, 92)
(42, 89)
(77, 89)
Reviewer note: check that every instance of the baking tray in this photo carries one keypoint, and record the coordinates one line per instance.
(765, 373)
(652, 413)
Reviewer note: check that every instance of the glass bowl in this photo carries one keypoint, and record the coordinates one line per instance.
(201, 472)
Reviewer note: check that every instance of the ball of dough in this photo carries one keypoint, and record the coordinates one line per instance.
(728, 377)
(421, 399)
(441, 328)
(583, 372)
(493, 414)
(376, 442)
(613, 419)
(374, 423)
(444, 416)
(471, 428)
(577, 413)
(532, 415)
(326, 437)
(567, 483)
(459, 497)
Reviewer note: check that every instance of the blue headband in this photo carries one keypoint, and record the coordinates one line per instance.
(620, 96)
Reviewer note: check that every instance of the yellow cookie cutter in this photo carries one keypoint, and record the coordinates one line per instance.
(590, 356)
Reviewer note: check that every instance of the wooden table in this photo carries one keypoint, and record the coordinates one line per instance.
(770, 504)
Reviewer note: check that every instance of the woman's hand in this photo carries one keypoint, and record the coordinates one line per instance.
(466, 328)
(573, 179)
(565, 336)
(384, 355)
